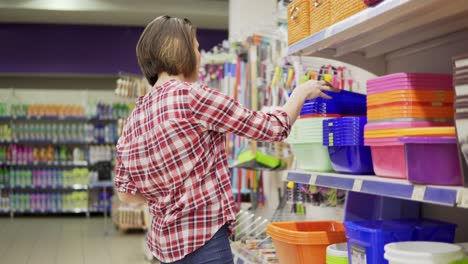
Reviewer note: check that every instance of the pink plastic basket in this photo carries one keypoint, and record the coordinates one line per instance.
(392, 125)
(405, 81)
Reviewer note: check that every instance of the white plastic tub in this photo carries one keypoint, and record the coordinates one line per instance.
(422, 253)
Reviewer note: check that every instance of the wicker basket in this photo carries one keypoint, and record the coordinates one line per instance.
(342, 9)
(298, 20)
(320, 13)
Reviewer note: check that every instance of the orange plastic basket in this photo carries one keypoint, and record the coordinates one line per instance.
(305, 242)
(410, 96)
(341, 9)
(396, 113)
(320, 15)
(411, 132)
(298, 20)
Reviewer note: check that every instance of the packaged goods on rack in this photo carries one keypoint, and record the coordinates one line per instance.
(4, 110)
(100, 201)
(101, 153)
(128, 216)
(345, 140)
(64, 154)
(46, 110)
(5, 133)
(49, 202)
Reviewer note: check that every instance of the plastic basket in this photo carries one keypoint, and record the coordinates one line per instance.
(409, 81)
(320, 14)
(351, 159)
(312, 157)
(366, 239)
(435, 96)
(298, 20)
(414, 124)
(341, 9)
(411, 132)
(304, 242)
(337, 254)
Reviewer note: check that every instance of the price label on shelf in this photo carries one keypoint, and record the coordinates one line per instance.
(418, 192)
(357, 186)
(463, 198)
(313, 179)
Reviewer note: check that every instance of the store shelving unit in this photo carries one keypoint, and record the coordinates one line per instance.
(390, 29)
(395, 188)
(394, 36)
(105, 185)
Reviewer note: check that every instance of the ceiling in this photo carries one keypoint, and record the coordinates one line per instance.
(211, 14)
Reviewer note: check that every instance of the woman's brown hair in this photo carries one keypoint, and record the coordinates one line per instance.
(167, 45)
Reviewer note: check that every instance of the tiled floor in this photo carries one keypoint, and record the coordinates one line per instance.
(68, 240)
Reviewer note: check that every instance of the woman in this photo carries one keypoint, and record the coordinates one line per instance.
(172, 154)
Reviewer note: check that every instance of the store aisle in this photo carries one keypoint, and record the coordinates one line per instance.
(66, 241)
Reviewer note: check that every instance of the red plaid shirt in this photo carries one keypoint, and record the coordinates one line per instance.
(173, 152)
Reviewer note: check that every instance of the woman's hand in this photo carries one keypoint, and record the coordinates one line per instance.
(313, 89)
(308, 90)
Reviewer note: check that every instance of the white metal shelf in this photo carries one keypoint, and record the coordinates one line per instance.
(390, 26)
(403, 189)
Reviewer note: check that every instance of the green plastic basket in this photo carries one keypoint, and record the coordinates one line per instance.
(312, 157)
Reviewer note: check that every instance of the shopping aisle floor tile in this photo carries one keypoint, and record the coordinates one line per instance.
(67, 240)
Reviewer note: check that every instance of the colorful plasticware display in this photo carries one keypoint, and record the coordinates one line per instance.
(345, 140)
(342, 103)
(367, 239)
(306, 139)
(405, 153)
(411, 125)
(305, 242)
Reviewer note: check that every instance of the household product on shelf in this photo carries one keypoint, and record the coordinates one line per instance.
(342, 103)
(4, 109)
(298, 20)
(48, 177)
(105, 111)
(4, 203)
(422, 252)
(403, 96)
(5, 133)
(128, 215)
(4, 176)
(59, 132)
(101, 153)
(342, 9)
(304, 242)
(4, 153)
(366, 239)
(345, 140)
(49, 202)
(24, 154)
(337, 254)
(306, 139)
(405, 153)
(47, 110)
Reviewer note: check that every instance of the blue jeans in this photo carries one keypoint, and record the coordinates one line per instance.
(216, 251)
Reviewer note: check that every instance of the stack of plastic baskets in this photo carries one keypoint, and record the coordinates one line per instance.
(342, 103)
(421, 155)
(345, 140)
(410, 97)
(305, 242)
(306, 139)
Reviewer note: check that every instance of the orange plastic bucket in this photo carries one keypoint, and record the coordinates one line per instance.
(305, 242)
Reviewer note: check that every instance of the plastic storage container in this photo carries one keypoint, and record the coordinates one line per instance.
(412, 96)
(305, 242)
(344, 102)
(408, 158)
(422, 253)
(337, 254)
(312, 157)
(366, 239)
(351, 159)
(409, 81)
(345, 140)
